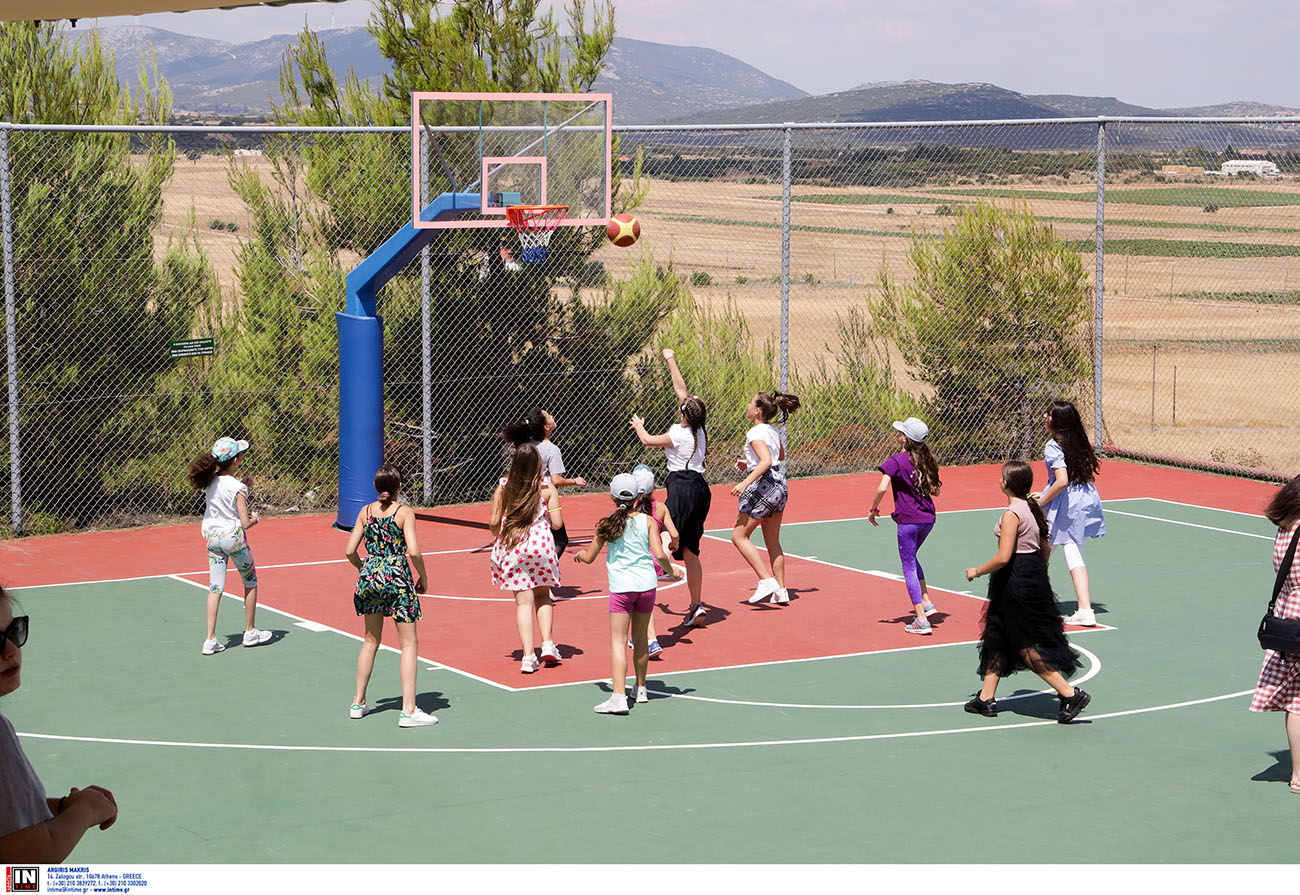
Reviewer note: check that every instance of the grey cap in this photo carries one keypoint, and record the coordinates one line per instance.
(645, 478)
(913, 429)
(623, 487)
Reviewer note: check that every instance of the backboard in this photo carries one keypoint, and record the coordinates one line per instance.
(512, 149)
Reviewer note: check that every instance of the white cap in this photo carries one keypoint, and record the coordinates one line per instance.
(623, 487)
(645, 478)
(913, 429)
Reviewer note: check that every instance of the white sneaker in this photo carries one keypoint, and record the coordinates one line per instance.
(357, 710)
(254, 637)
(615, 705)
(529, 665)
(928, 608)
(918, 626)
(417, 718)
(781, 597)
(766, 588)
(642, 695)
(212, 646)
(1084, 618)
(550, 655)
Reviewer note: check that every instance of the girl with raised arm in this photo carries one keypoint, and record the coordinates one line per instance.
(685, 444)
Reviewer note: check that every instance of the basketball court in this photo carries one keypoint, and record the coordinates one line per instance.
(814, 732)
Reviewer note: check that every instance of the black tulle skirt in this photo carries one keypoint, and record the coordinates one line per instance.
(1022, 622)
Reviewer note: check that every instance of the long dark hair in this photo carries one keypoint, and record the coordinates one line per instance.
(529, 427)
(520, 495)
(1067, 429)
(204, 468)
(696, 415)
(1019, 477)
(927, 468)
(1284, 508)
(770, 403)
(611, 527)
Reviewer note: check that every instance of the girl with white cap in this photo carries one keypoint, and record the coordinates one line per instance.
(226, 520)
(634, 544)
(645, 486)
(913, 474)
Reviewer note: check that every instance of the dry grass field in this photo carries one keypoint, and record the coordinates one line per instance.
(1236, 361)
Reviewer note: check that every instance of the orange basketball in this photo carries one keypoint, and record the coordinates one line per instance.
(623, 230)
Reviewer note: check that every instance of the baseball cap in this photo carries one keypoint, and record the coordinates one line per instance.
(645, 478)
(913, 429)
(623, 487)
(228, 448)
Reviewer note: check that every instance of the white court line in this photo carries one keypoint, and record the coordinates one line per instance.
(661, 747)
(322, 627)
(282, 565)
(1195, 506)
(1089, 675)
(665, 672)
(1229, 531)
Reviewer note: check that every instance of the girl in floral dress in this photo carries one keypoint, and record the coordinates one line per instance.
(525, 515)
(385, 588)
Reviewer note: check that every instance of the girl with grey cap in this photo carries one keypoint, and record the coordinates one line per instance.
(633, 541)
(913, 474)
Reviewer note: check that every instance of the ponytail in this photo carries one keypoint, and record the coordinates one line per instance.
(926, 478)
(695, 414)
(771, 403)
(611, 527)
(1019, 477)
(204, 468)
(530, 427)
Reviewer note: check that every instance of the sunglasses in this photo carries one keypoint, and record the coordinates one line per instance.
(16, 633)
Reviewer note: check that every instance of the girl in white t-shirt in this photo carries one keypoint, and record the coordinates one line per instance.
(226, 520)
(763, 493)
(689, 497)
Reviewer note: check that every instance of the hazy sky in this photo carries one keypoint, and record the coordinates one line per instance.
(1155, 53)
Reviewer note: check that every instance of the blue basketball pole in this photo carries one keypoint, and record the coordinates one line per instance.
(361, 351)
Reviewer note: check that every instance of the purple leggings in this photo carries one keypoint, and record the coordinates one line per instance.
(910, 538)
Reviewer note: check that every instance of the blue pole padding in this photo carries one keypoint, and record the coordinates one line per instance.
(361, 412)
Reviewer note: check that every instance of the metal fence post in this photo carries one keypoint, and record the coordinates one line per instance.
(11, 334)
(426, 347)
(785, 259)
(1100, 291)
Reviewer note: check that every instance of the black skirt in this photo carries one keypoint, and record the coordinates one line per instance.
(1022, 622)
(688, 503)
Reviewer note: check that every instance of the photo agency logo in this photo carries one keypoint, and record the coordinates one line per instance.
(22, 879)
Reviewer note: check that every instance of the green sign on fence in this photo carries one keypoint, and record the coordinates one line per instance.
(191, 348)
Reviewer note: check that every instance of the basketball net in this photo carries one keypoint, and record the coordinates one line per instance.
(535, 224)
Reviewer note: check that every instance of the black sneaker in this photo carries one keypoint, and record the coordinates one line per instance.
(986, 707)
(1071, 707)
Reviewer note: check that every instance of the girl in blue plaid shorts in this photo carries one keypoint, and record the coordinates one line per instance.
(763, 493)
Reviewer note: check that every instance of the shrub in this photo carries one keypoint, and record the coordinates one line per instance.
(1211, 208)
(742, 280)
(991, 321)
(701, 278)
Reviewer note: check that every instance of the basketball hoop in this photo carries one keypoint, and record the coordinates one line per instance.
(535, 224)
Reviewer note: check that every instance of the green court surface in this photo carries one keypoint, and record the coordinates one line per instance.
(863, 758)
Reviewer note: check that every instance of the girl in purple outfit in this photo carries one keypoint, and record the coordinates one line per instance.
(913, 473)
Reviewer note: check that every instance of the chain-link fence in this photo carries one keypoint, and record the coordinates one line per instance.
(875, 270)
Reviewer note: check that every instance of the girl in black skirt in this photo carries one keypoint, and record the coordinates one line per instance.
(684, 444)
(1022, 621)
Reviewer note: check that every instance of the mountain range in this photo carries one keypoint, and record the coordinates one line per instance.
(651, 83)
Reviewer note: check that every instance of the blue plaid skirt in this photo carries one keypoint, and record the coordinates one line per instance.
(766, 496)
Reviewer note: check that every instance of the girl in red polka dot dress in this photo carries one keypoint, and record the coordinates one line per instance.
(525, 515)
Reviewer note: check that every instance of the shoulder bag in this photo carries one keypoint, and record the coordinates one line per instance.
(1281, 634)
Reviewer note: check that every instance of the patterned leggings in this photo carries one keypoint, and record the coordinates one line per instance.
(910, 538)
(223, 545)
